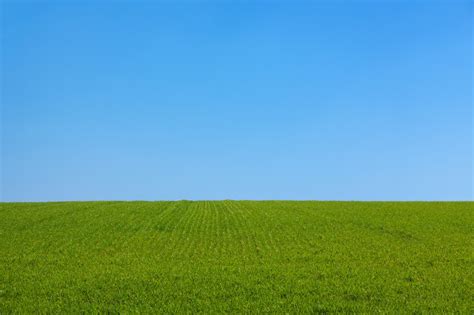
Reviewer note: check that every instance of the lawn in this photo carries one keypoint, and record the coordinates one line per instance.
(237, 257)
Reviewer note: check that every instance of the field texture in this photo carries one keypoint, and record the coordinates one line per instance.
(236, 256)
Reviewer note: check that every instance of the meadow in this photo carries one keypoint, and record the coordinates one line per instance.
(237, 257)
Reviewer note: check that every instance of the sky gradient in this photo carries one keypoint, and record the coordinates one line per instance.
(234, 100)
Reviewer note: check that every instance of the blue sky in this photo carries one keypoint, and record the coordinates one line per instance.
(237, 100)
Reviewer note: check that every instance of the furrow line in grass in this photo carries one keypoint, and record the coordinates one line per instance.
(244, 230)
(164, 226)
(226, 239)
(258, 226)
(177, 235)
(228, 235)
(239, 230)
(199, 232)
(271, 227)
(167, 219)
(170, 226)
(201, 228)
(189, 237)
(217, 235)
(161, 229)
(205, 228)
(216, 225)
(204, 231)
(232, 232)
(109, 230)
(169, 243)
(283, 224)
(144, 224)
(238, 233)
(224, 242)
(297, 220)
(213, 231)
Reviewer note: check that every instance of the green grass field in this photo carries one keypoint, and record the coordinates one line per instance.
(237, 256)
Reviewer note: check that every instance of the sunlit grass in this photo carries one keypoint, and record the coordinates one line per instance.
(236, 256)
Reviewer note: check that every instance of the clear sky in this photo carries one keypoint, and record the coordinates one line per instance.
(235, 100)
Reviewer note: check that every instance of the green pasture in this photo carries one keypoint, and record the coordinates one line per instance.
(237, 257)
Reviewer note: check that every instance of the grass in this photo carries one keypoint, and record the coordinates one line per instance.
(236, 257)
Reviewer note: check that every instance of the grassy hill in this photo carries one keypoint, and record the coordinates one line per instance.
(236, 256)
